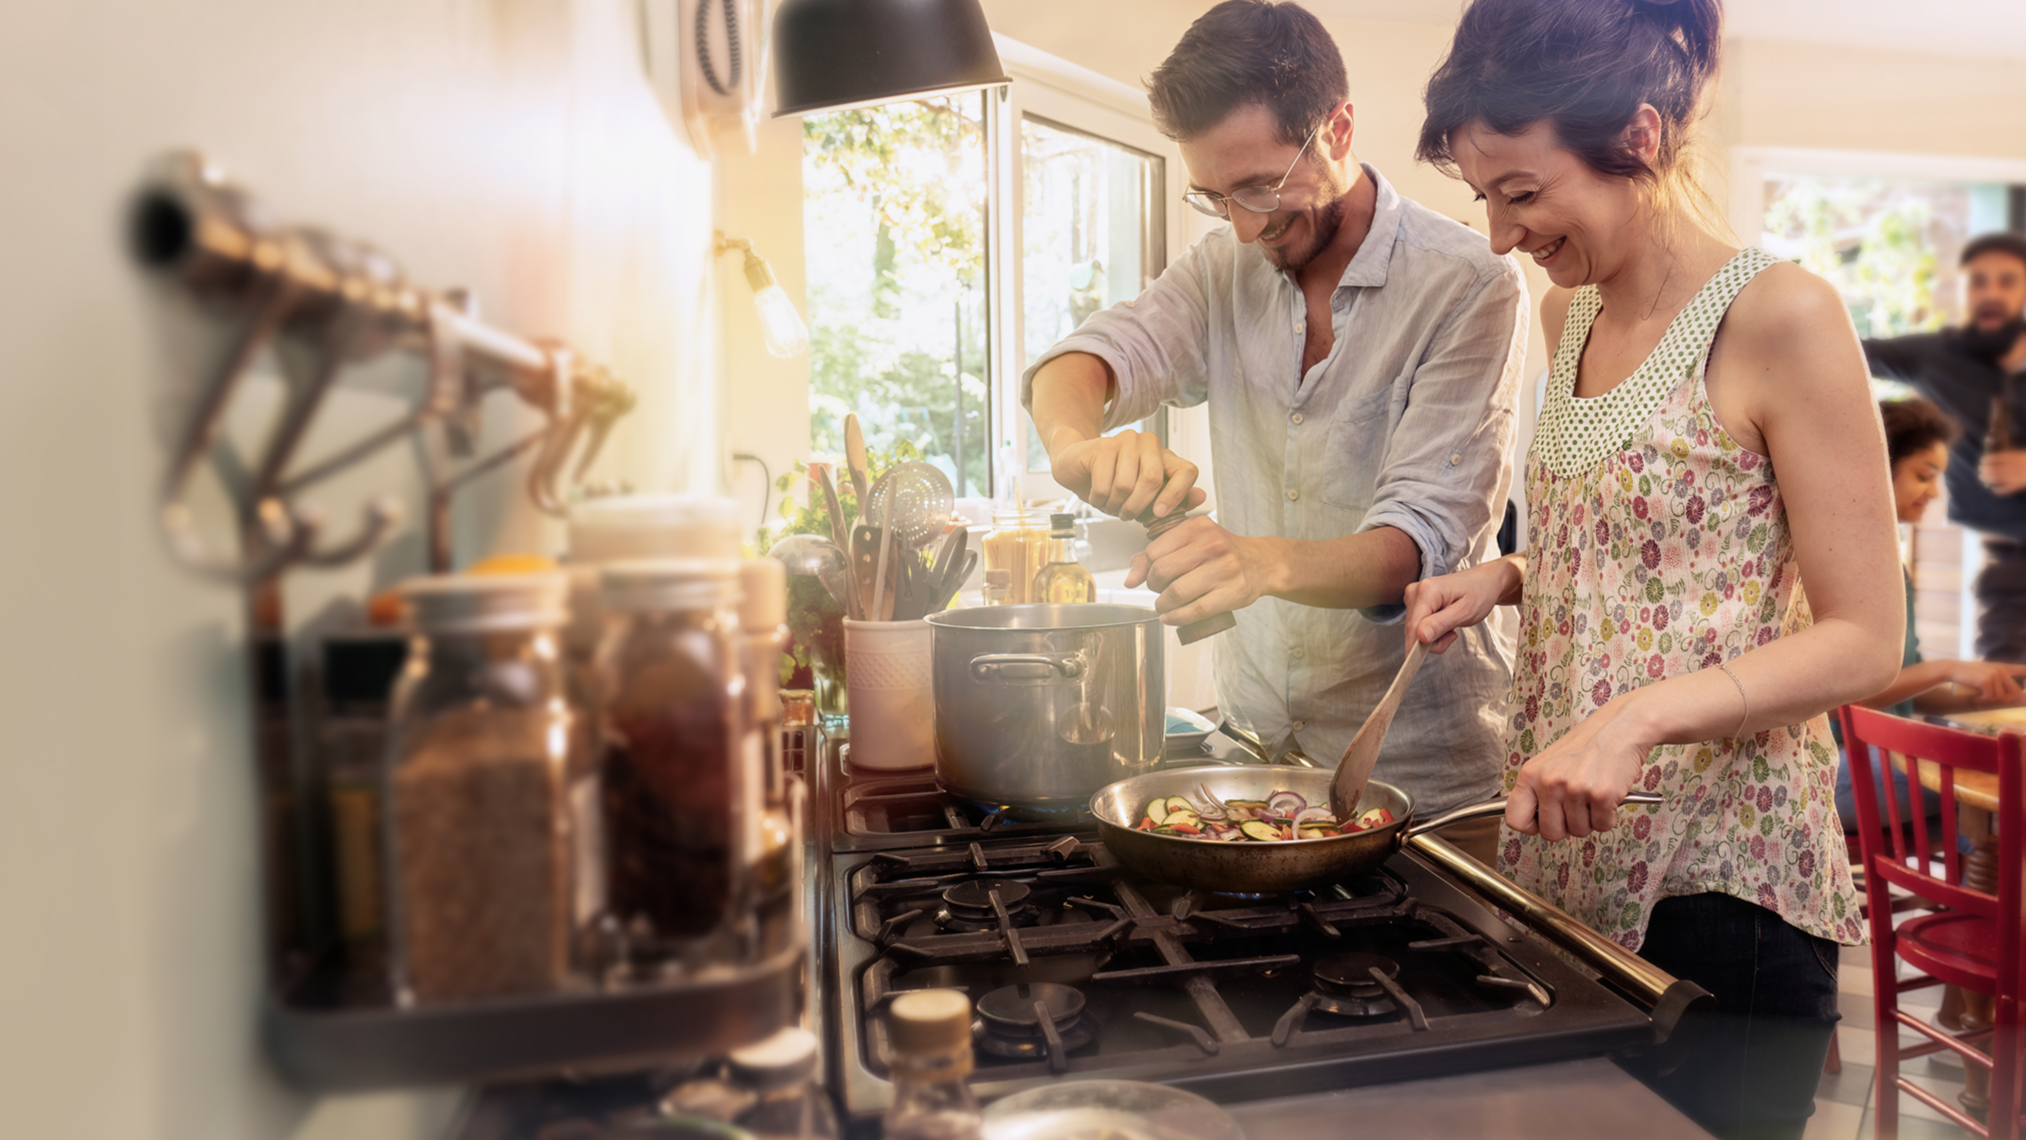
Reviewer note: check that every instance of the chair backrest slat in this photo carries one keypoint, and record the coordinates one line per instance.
(1884, 842)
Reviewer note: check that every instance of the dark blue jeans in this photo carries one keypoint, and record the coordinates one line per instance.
(1752, 1073)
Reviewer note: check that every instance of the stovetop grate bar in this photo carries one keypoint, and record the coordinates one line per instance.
(1184, 971)
(1415, 1015)
(1195, 1033)
(1008, 932)
(1283, 1030)
(1058, 1057)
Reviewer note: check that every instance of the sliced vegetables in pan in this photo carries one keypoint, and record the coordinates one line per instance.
(1279, 817)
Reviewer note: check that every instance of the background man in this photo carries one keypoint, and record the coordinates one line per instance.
(1970, 372)
(1361, 357)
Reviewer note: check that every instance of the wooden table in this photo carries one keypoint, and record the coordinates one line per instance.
(1976, 803)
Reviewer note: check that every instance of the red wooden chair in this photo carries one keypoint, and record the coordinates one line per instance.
(1973, 940)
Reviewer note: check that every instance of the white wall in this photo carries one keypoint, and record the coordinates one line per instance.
(504, 145)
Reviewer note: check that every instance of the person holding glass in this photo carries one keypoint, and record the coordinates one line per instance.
(1707, 444)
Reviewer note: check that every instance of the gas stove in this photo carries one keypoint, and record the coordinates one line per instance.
(1078, 968)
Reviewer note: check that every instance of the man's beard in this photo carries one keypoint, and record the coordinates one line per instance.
(1989, 345)
(1327, 220)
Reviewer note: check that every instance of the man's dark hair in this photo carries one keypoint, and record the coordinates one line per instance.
(1249, 51)
(1912, 426)
(2000, 242)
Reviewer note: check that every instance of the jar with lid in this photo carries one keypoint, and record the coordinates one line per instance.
(1018, 544)
(931, 1035)
(619, 528)
(488, 779)
(681, 789)
(781, 1073)
(777, 861)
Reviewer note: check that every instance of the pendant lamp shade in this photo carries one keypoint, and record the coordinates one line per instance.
(832, 54)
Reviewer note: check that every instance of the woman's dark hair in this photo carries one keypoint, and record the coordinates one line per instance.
(1912, 426)
(1249, 51)
(1583, 66)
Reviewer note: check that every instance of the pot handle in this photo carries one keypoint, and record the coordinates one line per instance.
(1025, 667)
(1497, 807)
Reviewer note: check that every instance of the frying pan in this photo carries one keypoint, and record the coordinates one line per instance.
(1263, 868)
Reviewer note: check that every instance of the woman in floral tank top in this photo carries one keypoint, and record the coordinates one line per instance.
(1708, 443)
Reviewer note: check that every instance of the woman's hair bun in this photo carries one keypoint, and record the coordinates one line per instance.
(1583, 66)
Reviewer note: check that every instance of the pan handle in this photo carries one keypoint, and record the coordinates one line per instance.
(1025, 667)
(1497, 807)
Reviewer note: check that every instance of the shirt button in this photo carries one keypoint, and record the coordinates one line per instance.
(1297, 652)
(1295, 417)
(1455, 457)
(1293, 495)
(1299, 725)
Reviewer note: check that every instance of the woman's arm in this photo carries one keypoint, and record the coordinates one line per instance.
(1989, 684)
(1787, 379)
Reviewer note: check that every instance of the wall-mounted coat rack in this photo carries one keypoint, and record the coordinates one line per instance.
(331, 303)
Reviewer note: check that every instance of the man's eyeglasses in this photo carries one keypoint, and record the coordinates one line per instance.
(1258, 199)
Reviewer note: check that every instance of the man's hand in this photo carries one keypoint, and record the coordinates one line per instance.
(1202, 569)
(2003, 471)
(1127, 473)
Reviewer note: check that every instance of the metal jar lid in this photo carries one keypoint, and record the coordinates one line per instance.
(668, 584)
(483, 603)
(786, 1059)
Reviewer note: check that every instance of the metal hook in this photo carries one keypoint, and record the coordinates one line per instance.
(267, 306)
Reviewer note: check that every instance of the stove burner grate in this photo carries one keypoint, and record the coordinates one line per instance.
(1346, 986)
(967, 906)
(1031, 1020)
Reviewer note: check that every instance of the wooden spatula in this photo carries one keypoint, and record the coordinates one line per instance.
(1354, 771)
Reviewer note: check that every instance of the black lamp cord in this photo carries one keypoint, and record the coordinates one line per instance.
(703, 51)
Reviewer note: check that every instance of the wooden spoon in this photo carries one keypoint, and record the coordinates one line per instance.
(1354, 771)
(854, 462)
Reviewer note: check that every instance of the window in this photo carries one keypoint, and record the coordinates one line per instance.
(947, 241)
(1091, 235)
(895, 212)
(1889, 245)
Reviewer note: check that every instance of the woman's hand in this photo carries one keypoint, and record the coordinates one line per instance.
(1994, 682)
(1573, 788)
(1438, 607)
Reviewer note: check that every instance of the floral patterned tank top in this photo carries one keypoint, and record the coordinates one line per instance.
(1660, 547)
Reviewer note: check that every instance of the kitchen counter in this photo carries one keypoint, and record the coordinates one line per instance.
(1571, 1100)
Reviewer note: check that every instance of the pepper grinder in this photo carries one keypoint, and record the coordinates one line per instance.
(1210, 626)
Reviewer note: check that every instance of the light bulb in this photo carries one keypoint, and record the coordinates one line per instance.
(780, 324)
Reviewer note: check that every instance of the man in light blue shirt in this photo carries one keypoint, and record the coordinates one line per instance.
(1361, 356)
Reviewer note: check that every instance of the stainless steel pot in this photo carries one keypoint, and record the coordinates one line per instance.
(1037, 707)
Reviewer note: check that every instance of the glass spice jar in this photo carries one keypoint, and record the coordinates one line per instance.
(682, 791)
(487, 774)
(1018, 544)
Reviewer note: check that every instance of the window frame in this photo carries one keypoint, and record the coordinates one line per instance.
(1066, 96)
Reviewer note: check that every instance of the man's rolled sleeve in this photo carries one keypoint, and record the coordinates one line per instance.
(1155, 344)
(1448, 460)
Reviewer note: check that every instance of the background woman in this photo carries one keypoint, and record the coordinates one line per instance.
(1917, 438)
(1664, 639)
